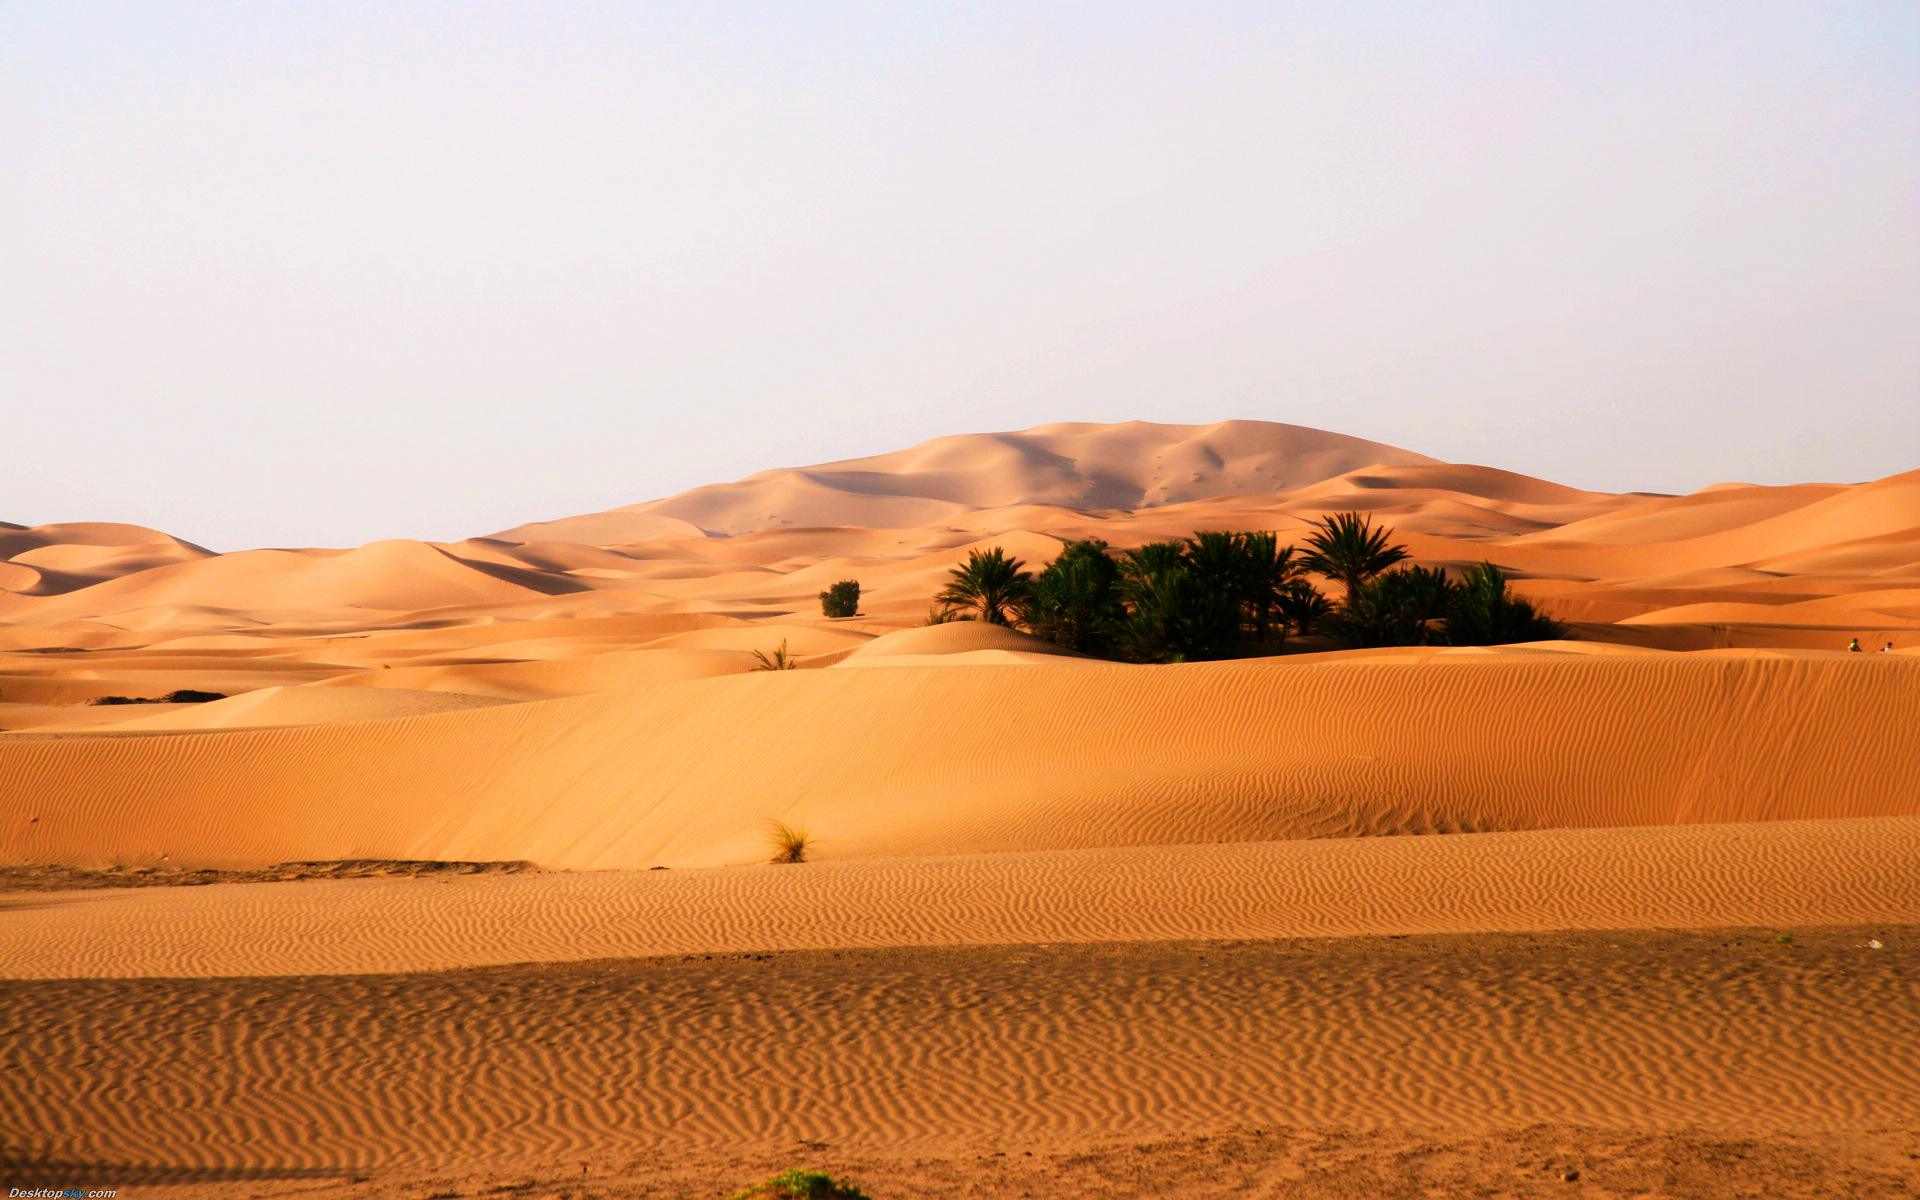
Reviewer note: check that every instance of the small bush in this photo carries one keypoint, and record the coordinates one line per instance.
(779, 660)
(796, 1184)
(789, 842)
(180, 696)
(945, 614)
(1402, 607)
(842, 599)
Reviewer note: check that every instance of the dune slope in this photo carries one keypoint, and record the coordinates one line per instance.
(923, 759)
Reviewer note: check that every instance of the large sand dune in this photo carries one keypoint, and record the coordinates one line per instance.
(953, 759)
(897, 521)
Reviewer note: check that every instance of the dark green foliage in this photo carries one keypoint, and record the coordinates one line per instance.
(1418, 606)
(1425, 591)
(796, 1184)
(1213, 595)
(1075, 601)
(1302, 607)
(842, 599)
(1403, 607)
(1484, 613)
(182, 696)
(1268, 571)
(1346, 548)
(1175, 613)
(991, 585)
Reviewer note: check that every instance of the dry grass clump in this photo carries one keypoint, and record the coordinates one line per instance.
(789, 842)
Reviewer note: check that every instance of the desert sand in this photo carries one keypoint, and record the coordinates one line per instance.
(1632, 914)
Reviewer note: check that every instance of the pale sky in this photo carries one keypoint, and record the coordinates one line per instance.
(277, 274)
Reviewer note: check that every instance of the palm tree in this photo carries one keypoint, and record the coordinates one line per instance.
(1346, 548)
(990, 584)
(1174, 613)
(1401, 607)
(779, 660)
(1076, 600)
(1268, 570)
(1303, 607)
(1484, 613)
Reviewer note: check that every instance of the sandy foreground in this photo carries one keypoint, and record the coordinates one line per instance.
(1654, 1011)
(1721, 1062)
(460, 887)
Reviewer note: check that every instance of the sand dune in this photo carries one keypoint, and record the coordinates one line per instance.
(1786, 874)
(897, 521)
(1072, 465)
(929, 759)
(272, 706)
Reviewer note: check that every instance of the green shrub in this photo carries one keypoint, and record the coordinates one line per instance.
(796, 1184)
(1075, 601)
(1403, 607)
(1485, 613)
(842, 599)
(1175, 613)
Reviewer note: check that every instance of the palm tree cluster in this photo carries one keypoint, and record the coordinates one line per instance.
(1212, 595)
(1389, 603)
(1219, 594)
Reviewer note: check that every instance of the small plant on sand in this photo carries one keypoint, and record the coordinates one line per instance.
(779, 660)
(944, 614)
(796, 1184)
(789, 842)
(842, 599)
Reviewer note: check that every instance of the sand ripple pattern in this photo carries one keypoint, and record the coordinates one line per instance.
(986, 1046)
(1771, 873)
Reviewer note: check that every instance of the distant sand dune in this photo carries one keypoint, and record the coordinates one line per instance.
(1781, 558)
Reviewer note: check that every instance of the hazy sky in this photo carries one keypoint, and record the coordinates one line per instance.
(279, 274)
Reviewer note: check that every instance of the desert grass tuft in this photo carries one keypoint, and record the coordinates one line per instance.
(779, 660)
(789, 842)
